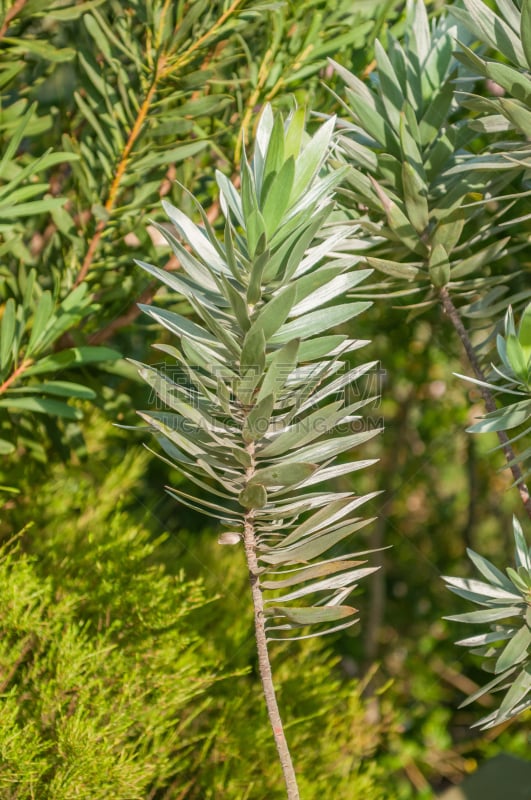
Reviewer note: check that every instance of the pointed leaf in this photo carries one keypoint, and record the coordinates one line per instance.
(515, 651)
(285, 474)
(253, 496)
(312, 616)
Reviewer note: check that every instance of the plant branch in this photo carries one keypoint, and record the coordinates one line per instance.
(163, 67)
(264, 664)
(113, 191)
(487, 395)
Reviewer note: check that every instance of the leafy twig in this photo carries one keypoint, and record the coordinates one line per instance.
(490, 405)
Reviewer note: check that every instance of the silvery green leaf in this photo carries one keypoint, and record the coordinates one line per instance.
(263, 131)
(315, 280)
(329, 473)
(522, 552)
(504, 419)
(234, 260)
(196, 270)
(391, 92)
(190, 469)
(311, 427)
(183, 443)
(354, 83)
(485, 591)
(253, 350)
(495, 682)
(525, 31)
(333, 447)
(487, 615)
(373, 122)
(349, 578)
(238, 304)
(519, 689)
(183, 285)
(330, 567)
(313, 635)
(41, 405)
(300, 505)
(435, 115)
(320, 347)
(489, 571)
(195, 506)
(179, 325)
(314, 255)
(487, 638)
(515, 82)
(218, 325)
(326, 520)
(277, 198)
(311, 159)
(517, 580)
(257, 421)
(517, 650)
(196, 238)
(345, 379)
(517, 113)
(272, 316)
(274, 155)
(308, 550)
(201, 355)
(318, 196)
(254, 289)
(420, 30)
(279, 368)
(303, 431)
(339, 285)
(287, 473)
(478, 17)
(289, 251)
(393, 268)
(415, 197)
(510, 13)
(317, 321)
(230, 199)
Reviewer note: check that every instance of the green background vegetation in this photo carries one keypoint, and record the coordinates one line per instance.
(127, 659)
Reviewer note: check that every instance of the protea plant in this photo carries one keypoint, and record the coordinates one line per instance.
(257, 386)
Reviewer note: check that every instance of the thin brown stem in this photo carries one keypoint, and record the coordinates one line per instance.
(214, 29)
(16, 374)
(487, 395)
(163, 67)
(113, 191)
(15, 9)
(264, 665)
